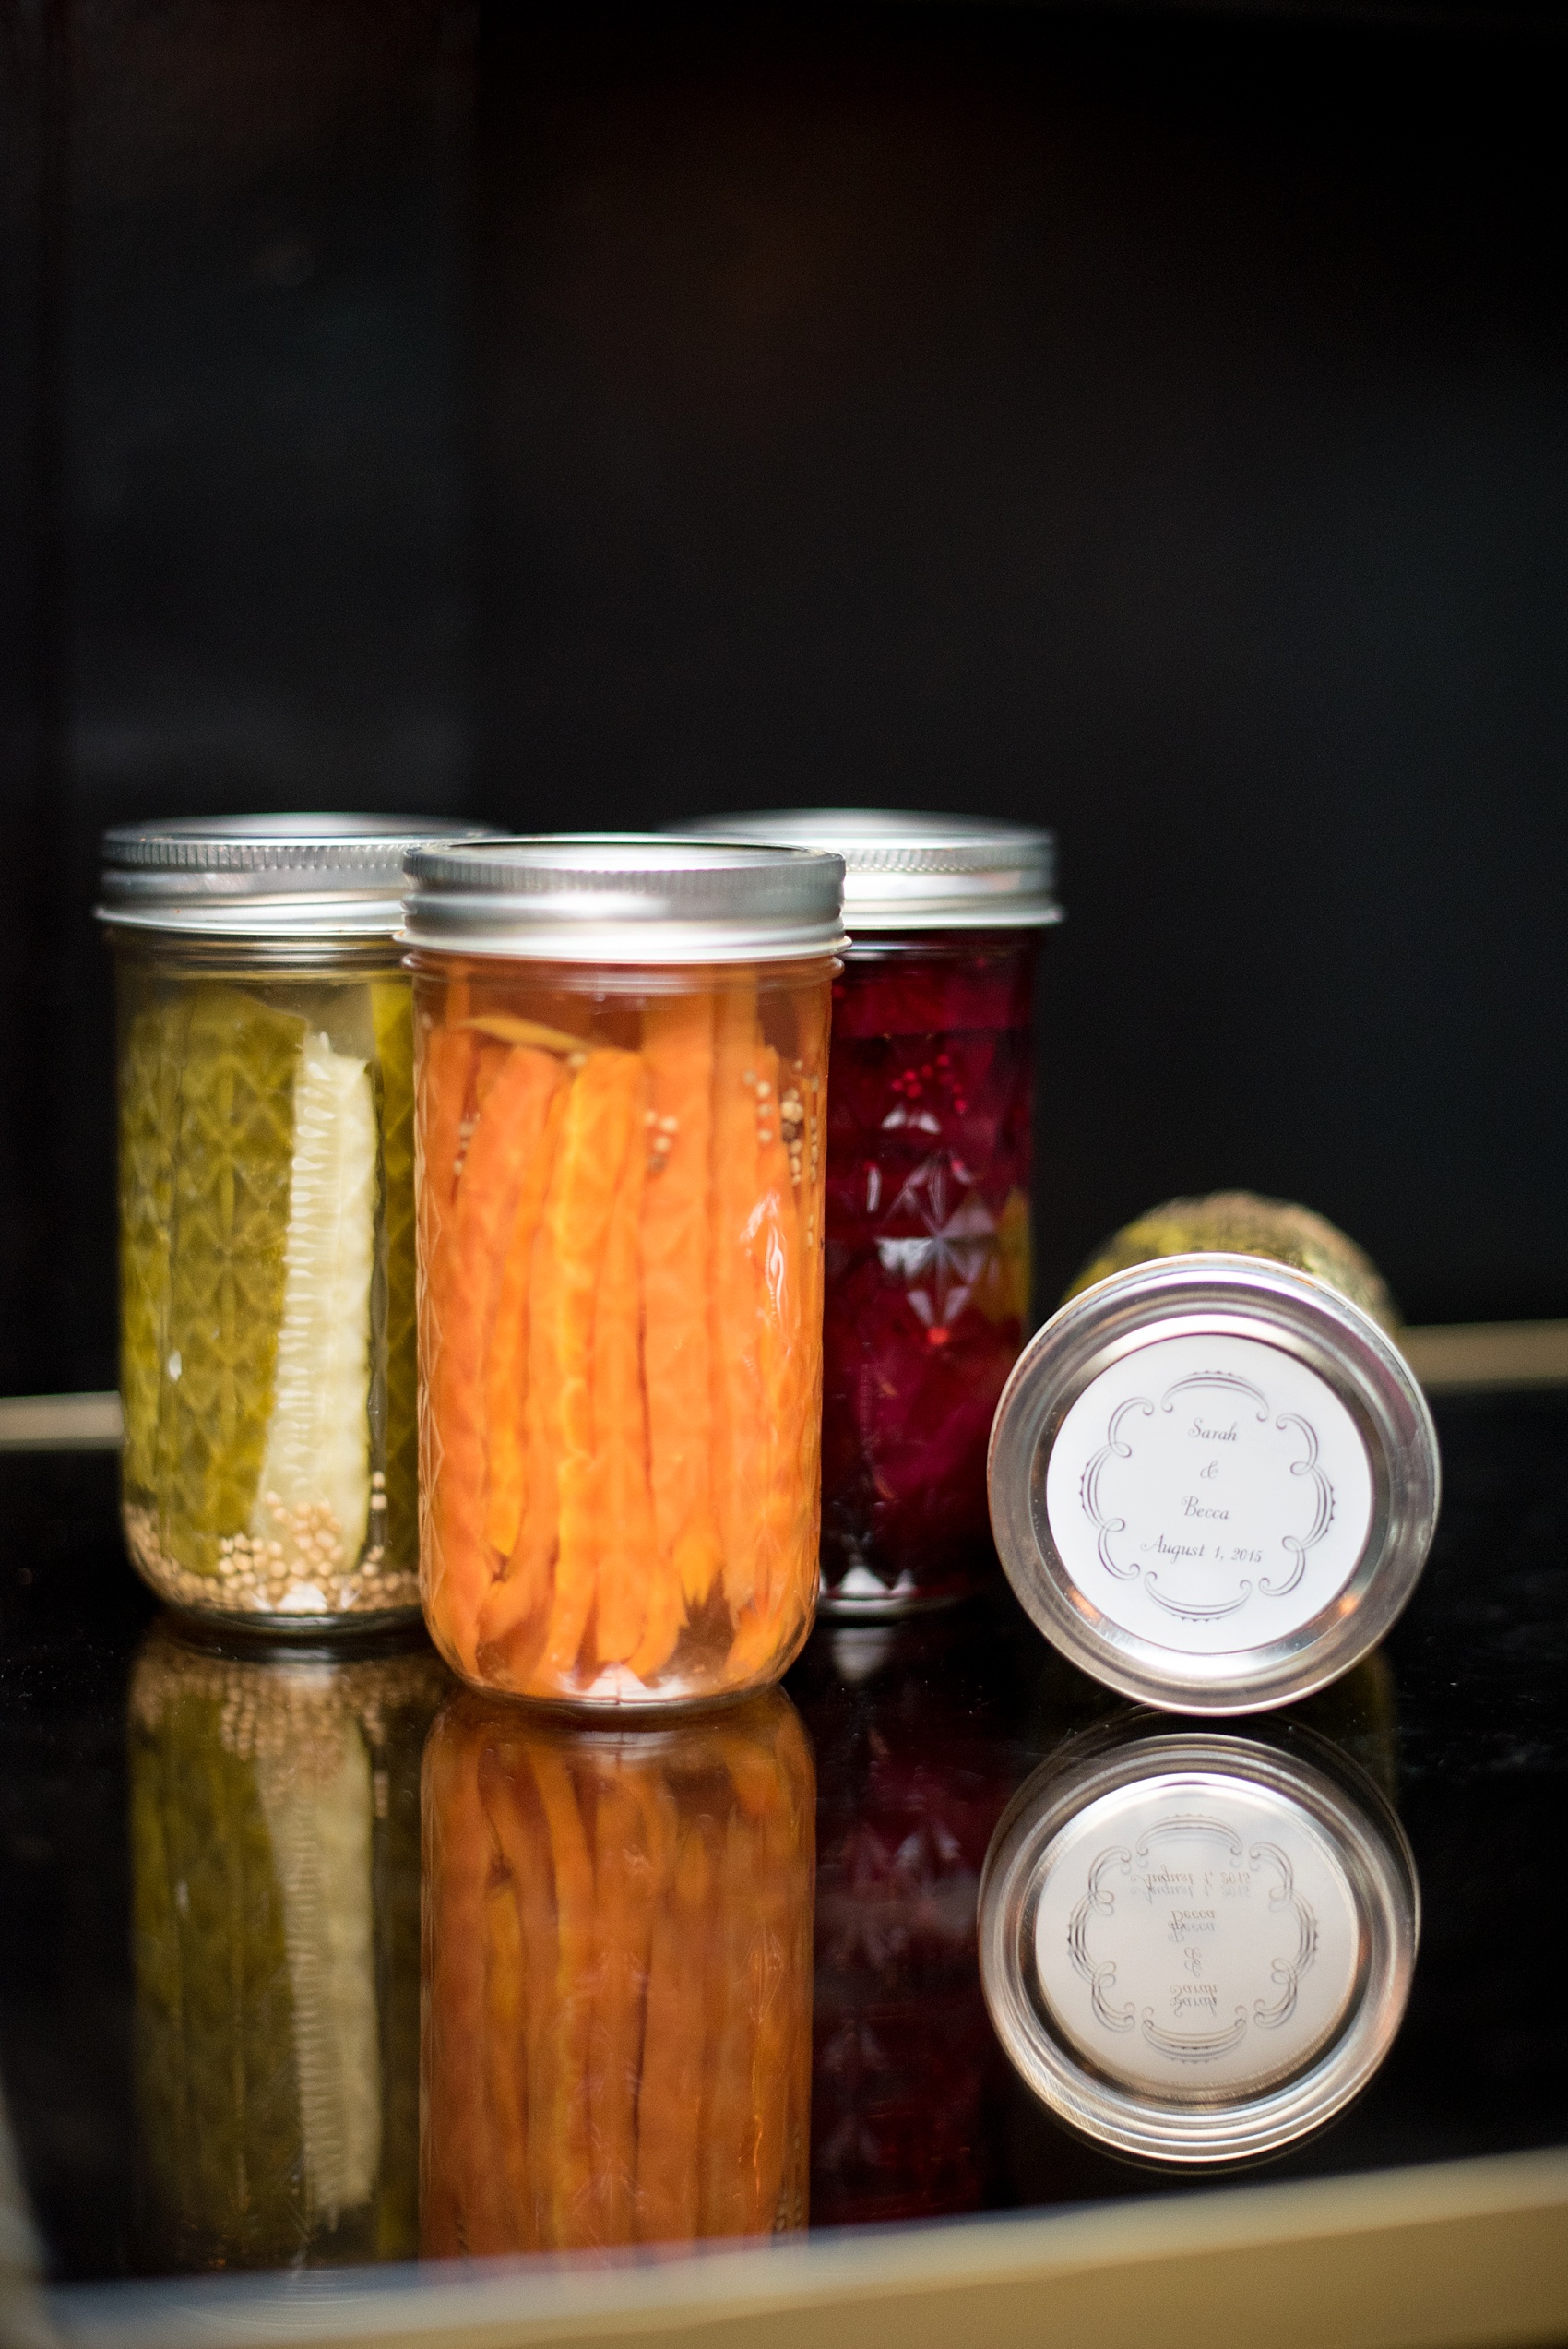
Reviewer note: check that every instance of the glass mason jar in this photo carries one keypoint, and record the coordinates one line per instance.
(621, 1048)
(1213, 1476)
(617, 1991)
(275, 1861)
(930, 1129)
(268, 1366)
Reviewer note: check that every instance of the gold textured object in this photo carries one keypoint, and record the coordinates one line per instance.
(1243, 1223)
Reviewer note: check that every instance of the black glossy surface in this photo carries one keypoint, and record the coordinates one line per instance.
(921, 1733)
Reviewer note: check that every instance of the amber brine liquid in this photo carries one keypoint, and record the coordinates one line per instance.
(620, 1249)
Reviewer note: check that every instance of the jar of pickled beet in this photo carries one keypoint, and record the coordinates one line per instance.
(621, 1061)
(930, 1117)
(268, 1369)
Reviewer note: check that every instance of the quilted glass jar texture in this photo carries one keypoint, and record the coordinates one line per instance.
(267, 1283)
(930, 1117)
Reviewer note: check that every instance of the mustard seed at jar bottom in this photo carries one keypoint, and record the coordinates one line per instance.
(622, 1071)
(267, 1248)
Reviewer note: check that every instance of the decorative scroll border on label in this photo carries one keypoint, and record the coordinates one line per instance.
(1099, 1905)
(1118, 1447)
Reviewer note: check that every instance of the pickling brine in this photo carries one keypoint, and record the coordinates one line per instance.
(621, 1311)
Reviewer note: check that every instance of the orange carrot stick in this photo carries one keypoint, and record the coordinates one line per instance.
(506, 1368)
(626, 1556)
(737, 1394)
(597, 1134)
(662, 1626)
(780, 1354)
(456, 1864)
(780, 1796)
(506, 1133)
(678, 1050)
(446, 1066)
(569, 2182)
(670, 2107)
(512, 1808)
(505, 2063)
(623, 1886)
(516, 1615)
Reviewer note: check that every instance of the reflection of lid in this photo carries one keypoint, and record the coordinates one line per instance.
(268, 877)
(1214, 1482)
(1197, 1948)
(910, 872)
(625, 898)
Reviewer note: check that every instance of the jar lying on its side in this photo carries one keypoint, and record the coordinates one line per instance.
(267, 1365)
(1213, 1476)
(930, 1117)
(621, 1061)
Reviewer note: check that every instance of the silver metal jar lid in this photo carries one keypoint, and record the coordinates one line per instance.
(913, 871)
(625, 897)
(264, 876)
(1197, 1947)
(1214, 1482)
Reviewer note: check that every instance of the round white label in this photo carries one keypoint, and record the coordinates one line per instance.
(1209, 1495)
(1196, 1935)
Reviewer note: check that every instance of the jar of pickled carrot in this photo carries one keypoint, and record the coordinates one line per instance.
(930, 1129)
(268, 1369)
(621, 1056)
(616, 2043)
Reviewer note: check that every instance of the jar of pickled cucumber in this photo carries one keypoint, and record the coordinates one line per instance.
(617, 1985)
(267, 1245)
(275, 1908)
(930, 1130)
(621, 1048)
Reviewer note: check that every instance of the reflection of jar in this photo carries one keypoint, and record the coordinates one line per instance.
(912, 1724)
(928, 1174)
(267, 1247)
(617, 1979)
(275, 1861)
(1214, 1478)
(1198, 1948)
(621, 1057)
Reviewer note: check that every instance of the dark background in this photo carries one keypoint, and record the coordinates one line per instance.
(1155, 422)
